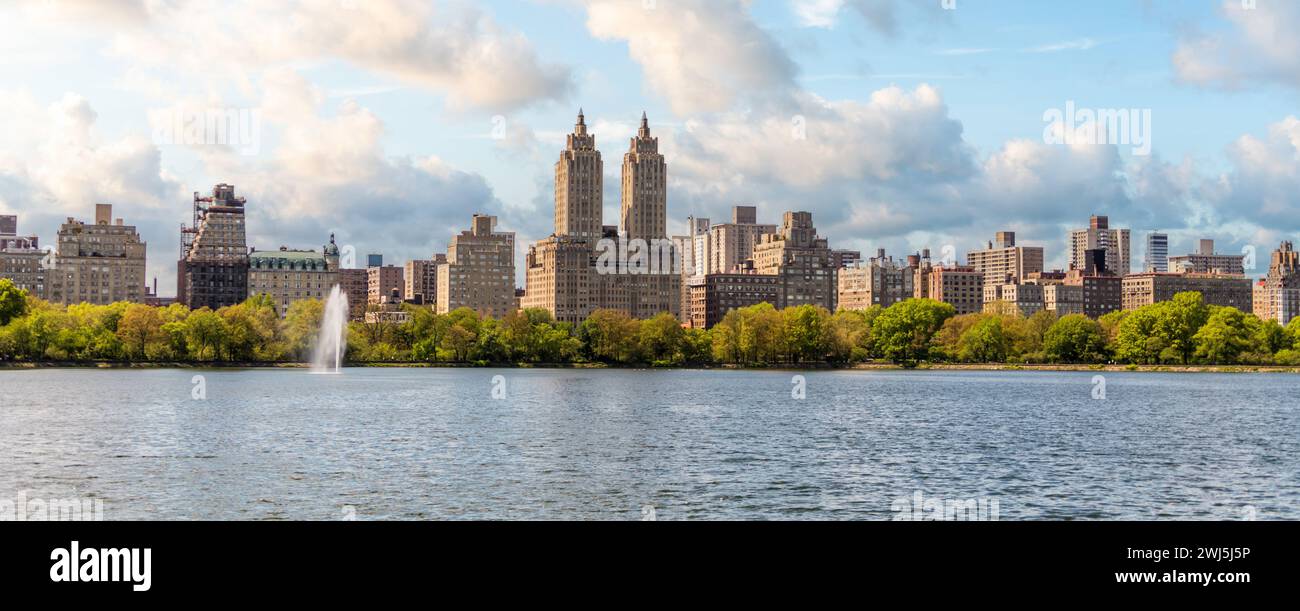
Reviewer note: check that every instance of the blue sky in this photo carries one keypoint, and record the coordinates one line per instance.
(391, 121)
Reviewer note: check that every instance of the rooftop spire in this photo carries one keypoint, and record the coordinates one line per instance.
(644, 132)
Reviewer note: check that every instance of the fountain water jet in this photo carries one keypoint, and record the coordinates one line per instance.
(332, 342)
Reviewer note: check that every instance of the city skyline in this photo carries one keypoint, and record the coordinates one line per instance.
(903, 128)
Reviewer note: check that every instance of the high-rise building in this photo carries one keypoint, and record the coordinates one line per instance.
(355, 283)
(422, 279)
(213, 269)
(288, 275)
(1277, 295)
(382, 281)
(1205, 261)
(802, 259)
(1002, 262)
(1215, 289)
(1157, 257)
(479, 273)
(579, 184)
(21, 258)
(99, 264)
(727, 246)
(645, 188)
(586, 265)
(881, 281)
(961, 286)
(1099, 235)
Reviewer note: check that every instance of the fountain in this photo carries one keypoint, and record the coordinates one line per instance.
(332, 342)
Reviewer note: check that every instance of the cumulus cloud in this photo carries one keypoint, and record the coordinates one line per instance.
(701, 55)
(54, 164)
(1258, 46)
(1263, 186)
(450, 47)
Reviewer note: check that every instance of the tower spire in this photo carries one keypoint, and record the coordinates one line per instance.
(644, 132)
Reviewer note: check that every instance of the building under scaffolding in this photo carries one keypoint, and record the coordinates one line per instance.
(213, 267)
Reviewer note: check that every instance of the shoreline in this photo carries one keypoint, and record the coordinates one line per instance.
(1045, 367)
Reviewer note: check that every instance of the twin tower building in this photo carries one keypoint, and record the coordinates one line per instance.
(586, 265)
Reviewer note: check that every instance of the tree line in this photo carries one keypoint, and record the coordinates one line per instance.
(1183, 331)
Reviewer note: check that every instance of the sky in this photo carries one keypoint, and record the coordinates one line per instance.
(900, 124)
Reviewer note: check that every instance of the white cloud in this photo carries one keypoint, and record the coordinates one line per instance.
(449, 47)
(1259, 45)
(701, 55)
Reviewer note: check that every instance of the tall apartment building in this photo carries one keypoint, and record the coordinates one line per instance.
(1002, 262)
(645, 188)
(579, 183)
(421, 277)
(1277, 295)
(1157, 257)
(1215, 289)
(1099, 235)
(961, 286)
(21, 258)
(846, 258)
(1063, 299)
(382, 281)
(803, 261)
(288, 275)
(213, 268)
(1205, 261)
(355, 283)
(568, 272)
(881, 281)
(480, 270)
(100, 264)
(727, 246)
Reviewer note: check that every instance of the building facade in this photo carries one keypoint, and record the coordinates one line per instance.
(21, 259)
(711, 296)
(1102, 292)
(100, 263)
(355, 283)
(579, 186)
(1027, 298)
(1205, 261)
(1002, 262)
(288, 275)
(802, 260)
(421, 277)
(961, 286)
(880, 281)
(1157, 257)
(479, 273)
(213, 269)
(1277, 295)
(1215, 289)
(645, 188)
(1099, 235)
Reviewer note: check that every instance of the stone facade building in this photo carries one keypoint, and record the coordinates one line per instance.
(1215, 289)
(355, 283)
(711, 296)
(585, 265)
(213, 269)
(21, 259)
(101, 263)
(880, 282)
(802, 260)
(961, 286)
(1277, 295)
(479, 273)
(293, 275)
(1005, 263)
(1205, 261)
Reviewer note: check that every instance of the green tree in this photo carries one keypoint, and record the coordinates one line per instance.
(985, 342)
(13, 301)
(204, 334)
(1224, 337)
(807, 332)
(141, 325)
(609, 336)
(660, 339)
(904, 330)
(1075, 338)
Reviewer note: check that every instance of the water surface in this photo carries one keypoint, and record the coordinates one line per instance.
(604, 444)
